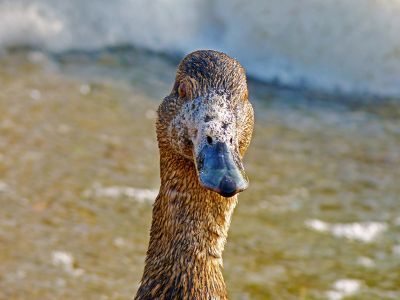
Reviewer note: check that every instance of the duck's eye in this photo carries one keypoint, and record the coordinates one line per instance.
(247, 94)
(182, 90)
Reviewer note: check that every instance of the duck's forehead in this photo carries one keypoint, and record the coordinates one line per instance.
(213, 70)
(211, 103)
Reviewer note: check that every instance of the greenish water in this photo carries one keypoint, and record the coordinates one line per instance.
(79, 171)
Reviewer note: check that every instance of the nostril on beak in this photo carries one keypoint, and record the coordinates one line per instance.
(209, 140)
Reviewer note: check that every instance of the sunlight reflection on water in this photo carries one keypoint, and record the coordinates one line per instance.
(344, 288)
(140, 195)
(366, 231)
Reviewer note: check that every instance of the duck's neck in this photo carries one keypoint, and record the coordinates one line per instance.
(187, 237)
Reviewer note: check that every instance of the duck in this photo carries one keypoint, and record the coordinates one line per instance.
(204, 127)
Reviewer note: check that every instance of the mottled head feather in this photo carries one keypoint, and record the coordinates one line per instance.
(205, 71)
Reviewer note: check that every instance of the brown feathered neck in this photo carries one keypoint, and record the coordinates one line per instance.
(190, 222)
(187, 237)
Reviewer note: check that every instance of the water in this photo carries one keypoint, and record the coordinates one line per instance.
(347, 45)
(79, 169)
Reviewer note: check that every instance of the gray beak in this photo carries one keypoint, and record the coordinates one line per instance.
(220, 170)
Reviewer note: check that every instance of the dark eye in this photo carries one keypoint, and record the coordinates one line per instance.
(247, 94)
(182, 90)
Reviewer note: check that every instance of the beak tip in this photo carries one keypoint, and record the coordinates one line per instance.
(228, 187)
(227, 183)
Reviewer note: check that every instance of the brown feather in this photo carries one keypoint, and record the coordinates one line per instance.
(190, 223)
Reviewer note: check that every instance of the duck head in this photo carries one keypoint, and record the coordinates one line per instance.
(210, 119)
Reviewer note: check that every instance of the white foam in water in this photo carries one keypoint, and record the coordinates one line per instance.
(365, 261)
(137, 194)
(344, 288)
(27, 24)
(65, 261)
(4, 187)
(365, 231)
(350, 45)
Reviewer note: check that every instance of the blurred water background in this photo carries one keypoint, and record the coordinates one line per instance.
(79, 85)
(351, 46)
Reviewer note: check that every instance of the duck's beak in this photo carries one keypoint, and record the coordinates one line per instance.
(221, 170)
